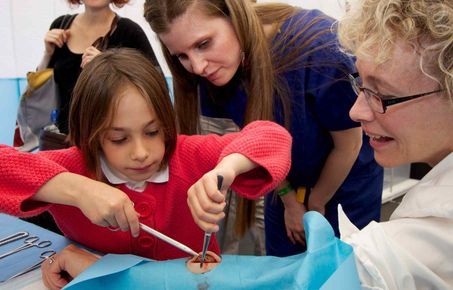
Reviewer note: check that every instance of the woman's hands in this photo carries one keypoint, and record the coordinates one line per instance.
(62, 267)
(55, 37)
(102, 204)
(205, 201)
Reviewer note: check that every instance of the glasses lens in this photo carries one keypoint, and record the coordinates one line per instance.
(355, 84)
(374, 101)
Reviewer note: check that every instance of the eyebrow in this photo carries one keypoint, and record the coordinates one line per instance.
(123, 129)
(383, 84)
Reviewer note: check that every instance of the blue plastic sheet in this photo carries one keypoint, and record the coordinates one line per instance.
(20, 261)
(327, 264)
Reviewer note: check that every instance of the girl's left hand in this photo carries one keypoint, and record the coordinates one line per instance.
(61, 268)
(206, 202)
(88, 55)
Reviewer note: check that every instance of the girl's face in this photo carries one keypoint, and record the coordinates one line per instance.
(417, 130)
(206, 46)
(133, 145)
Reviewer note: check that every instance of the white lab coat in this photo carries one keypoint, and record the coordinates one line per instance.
(414, 249)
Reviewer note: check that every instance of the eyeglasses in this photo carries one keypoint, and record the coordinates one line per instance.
(377, 101)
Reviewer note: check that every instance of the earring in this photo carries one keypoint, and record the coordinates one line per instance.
(242, 57)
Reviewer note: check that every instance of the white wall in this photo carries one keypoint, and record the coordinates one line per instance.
(23, 24)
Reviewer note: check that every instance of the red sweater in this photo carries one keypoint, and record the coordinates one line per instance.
(162, 206)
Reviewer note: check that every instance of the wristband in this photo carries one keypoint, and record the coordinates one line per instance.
(284, 190)
(300, 194)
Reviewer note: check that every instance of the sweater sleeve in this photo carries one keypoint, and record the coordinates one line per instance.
(265, 143)
(22, 174)
(268, 145)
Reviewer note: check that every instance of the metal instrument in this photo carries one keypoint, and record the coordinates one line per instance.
(28, 243)
(44, 256)
(167, 239)
(207, 236)
(13, 237)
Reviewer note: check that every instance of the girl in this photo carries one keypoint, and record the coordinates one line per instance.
(128, 165)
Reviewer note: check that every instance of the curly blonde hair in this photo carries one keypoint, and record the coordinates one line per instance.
(371, 28)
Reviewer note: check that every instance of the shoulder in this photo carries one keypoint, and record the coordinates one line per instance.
(59, 20)
(127, 24)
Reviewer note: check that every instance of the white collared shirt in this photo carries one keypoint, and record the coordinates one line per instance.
(159, 177)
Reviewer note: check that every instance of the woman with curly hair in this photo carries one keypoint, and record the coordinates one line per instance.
(404, 52)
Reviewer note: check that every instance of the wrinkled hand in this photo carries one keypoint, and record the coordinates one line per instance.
(107, 206)
(206, 202)
(88, 55)
(65, 266)
(55, 37)
(294, 214)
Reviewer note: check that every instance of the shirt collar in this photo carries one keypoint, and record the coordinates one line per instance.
(158, 177)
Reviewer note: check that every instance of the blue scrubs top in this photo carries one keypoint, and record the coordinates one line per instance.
(321, 98)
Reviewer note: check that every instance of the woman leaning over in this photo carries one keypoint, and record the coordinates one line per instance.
(243, 61)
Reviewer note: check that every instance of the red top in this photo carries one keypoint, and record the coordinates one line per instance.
(162, 206)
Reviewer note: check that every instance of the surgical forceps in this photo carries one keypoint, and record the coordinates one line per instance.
(44, 256)
(28, 243)
(13, 237)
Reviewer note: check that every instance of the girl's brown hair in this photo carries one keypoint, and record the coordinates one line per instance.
(263, 68)
(96, 96)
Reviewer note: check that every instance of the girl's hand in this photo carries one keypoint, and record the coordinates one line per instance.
(206, 202)
(88, 55)
(62, 267)
(108, 206)
(55, 37)
(102, 204)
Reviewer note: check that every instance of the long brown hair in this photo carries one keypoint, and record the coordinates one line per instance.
(262, 70)
(96, 95)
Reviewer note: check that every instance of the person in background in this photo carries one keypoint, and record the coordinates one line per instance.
(128, 165)
(404, 52)
(96, 29)
(242, 61)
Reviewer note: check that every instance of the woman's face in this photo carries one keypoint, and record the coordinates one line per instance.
(133, 145)
(417, 130)
(206, 46)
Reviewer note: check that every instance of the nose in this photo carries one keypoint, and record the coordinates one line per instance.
(361, 111)
(139, 151)
(198, 64)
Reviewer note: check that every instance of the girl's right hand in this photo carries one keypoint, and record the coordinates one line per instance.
(55, 37)
(102, 204)
(107, 206)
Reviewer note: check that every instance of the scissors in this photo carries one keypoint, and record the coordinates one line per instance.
(207, 236)
(13, 237)
(44, 256)
(29, 242)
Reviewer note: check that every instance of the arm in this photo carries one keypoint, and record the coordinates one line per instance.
(102, 204)
(29, 181)
(253, 163)
(71, 261)
(347, 144)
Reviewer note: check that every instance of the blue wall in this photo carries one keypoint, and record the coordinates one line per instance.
(10, 91)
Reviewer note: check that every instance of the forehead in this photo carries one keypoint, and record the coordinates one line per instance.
(190, 27)
(401, 68)
(132, 107)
